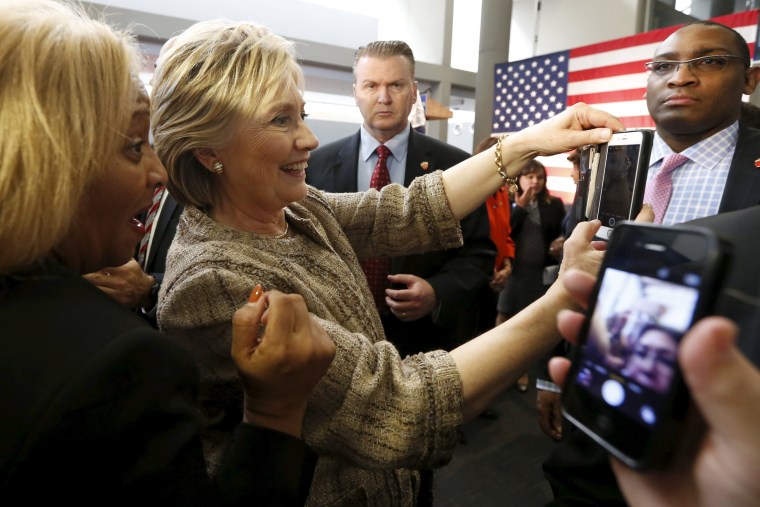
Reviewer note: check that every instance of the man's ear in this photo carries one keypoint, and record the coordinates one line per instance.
(751, 78)
(353, 88)
(206, 156)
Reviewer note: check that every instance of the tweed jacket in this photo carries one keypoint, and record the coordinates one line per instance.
(373, 418)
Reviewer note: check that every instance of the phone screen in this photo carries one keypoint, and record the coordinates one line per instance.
(625, 388)
(618, 183)
(630, 356)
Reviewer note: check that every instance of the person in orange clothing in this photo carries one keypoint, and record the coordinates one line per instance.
(498, 218)
(498, 207)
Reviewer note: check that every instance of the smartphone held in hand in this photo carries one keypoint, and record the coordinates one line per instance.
(625, 389)
(618, 179)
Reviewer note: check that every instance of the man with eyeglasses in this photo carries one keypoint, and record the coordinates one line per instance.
(694, 94)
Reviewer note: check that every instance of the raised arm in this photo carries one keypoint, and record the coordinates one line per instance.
(469, 183)
(492, 362)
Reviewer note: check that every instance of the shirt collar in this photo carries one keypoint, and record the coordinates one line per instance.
(398, 144)
(707, 152)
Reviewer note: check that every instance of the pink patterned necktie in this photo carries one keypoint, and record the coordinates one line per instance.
(150, 218)
(377, 270)
(660, 188)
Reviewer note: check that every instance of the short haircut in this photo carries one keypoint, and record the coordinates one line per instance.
(739, 41)
(216, 74)
(385, 49)
(67, 88)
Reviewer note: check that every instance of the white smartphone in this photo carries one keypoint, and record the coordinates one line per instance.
(621, 183)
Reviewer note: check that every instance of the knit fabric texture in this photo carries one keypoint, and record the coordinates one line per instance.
(374, 418)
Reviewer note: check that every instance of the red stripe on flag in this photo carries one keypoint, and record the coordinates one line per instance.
(624, 42)
(620, 69)
(631, 122)
(611, 96)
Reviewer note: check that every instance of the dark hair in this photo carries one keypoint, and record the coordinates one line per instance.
(535, 166)
(485, 144)
(741, 43)
(575, 156)
(385, 49)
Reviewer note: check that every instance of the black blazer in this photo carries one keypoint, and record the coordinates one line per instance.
(552, 216)
(165, 227)
(99, 408)
(456, 275)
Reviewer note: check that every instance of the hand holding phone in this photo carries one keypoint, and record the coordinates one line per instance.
(625, 389)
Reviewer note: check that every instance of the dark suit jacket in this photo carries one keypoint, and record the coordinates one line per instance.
(578, 468)
(456, 275)
(552, 215)
(165, 227)
(100, 408)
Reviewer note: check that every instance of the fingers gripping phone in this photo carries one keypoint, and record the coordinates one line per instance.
(621, 180)
(624, 388)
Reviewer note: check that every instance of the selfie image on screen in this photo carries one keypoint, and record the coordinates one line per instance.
(630, 353)
(618, 183)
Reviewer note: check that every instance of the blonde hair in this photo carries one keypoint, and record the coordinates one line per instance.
(216, 74)
(65, 81)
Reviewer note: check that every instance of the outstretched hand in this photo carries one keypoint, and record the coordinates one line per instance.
(726, 389)
(280, 353)
(575, 126)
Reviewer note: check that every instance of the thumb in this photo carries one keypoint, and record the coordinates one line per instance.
(245, 328)
(646, 214)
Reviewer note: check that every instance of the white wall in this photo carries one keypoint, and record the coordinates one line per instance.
(565, 24)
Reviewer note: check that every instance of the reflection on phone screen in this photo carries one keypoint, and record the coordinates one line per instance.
(629, 358)
(618, 184)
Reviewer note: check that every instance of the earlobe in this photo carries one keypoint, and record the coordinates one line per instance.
(206, 156)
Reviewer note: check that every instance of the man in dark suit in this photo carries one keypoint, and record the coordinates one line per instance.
(695, 101)
(432, 299)
(135, 285)
(161, 237)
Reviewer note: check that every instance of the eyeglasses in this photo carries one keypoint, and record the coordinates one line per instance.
(701, 65)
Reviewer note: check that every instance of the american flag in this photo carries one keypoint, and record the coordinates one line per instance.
(609, 75)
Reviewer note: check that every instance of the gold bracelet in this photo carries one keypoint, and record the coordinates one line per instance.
(508, 180)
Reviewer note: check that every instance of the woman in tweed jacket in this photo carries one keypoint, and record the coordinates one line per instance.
(228, 125)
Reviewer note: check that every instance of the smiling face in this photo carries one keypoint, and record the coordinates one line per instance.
(265, 164)
(689, 107)
(385, 91)
(653, 359)
(106, 230)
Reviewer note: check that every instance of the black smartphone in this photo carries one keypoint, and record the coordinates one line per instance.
(619, 186)
(625, 389)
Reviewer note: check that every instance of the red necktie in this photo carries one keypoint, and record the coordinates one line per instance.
(660, 188)
(150, 218)
(377, 270)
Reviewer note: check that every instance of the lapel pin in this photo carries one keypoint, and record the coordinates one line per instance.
(757, 162)
(425, 165)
